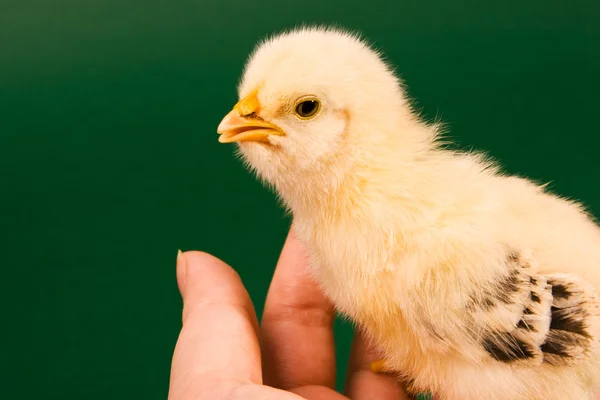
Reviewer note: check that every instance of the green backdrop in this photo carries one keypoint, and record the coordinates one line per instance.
(110, 162)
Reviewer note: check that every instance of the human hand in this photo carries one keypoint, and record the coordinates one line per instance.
(218, 355)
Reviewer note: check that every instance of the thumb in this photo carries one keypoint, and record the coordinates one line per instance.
(218, 339)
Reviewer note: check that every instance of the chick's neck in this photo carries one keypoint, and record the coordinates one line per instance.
(374, 173)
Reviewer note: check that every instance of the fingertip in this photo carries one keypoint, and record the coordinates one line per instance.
(202, 271)
(199, 262)
(198, 257)
(210, 280)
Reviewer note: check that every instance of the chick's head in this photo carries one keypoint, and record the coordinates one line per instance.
(313, 100)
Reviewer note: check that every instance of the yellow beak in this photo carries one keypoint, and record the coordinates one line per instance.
(243, 124)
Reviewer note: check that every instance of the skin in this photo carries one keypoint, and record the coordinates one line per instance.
(223, 353)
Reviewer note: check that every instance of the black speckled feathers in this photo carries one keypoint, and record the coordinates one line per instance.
(540, 319)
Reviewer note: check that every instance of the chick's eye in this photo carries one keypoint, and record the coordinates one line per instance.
(308, 108)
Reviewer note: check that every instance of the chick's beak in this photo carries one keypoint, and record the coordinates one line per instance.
(243, 123)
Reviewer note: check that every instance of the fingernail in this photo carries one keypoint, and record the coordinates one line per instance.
(181, 271)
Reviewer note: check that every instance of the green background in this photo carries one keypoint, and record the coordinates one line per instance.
(109, 157)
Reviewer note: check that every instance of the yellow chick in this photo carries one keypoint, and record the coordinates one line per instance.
(473, 284)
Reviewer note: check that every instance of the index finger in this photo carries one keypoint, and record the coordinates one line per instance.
(297, 325)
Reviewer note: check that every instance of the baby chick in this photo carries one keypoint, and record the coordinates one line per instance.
(473, 284)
